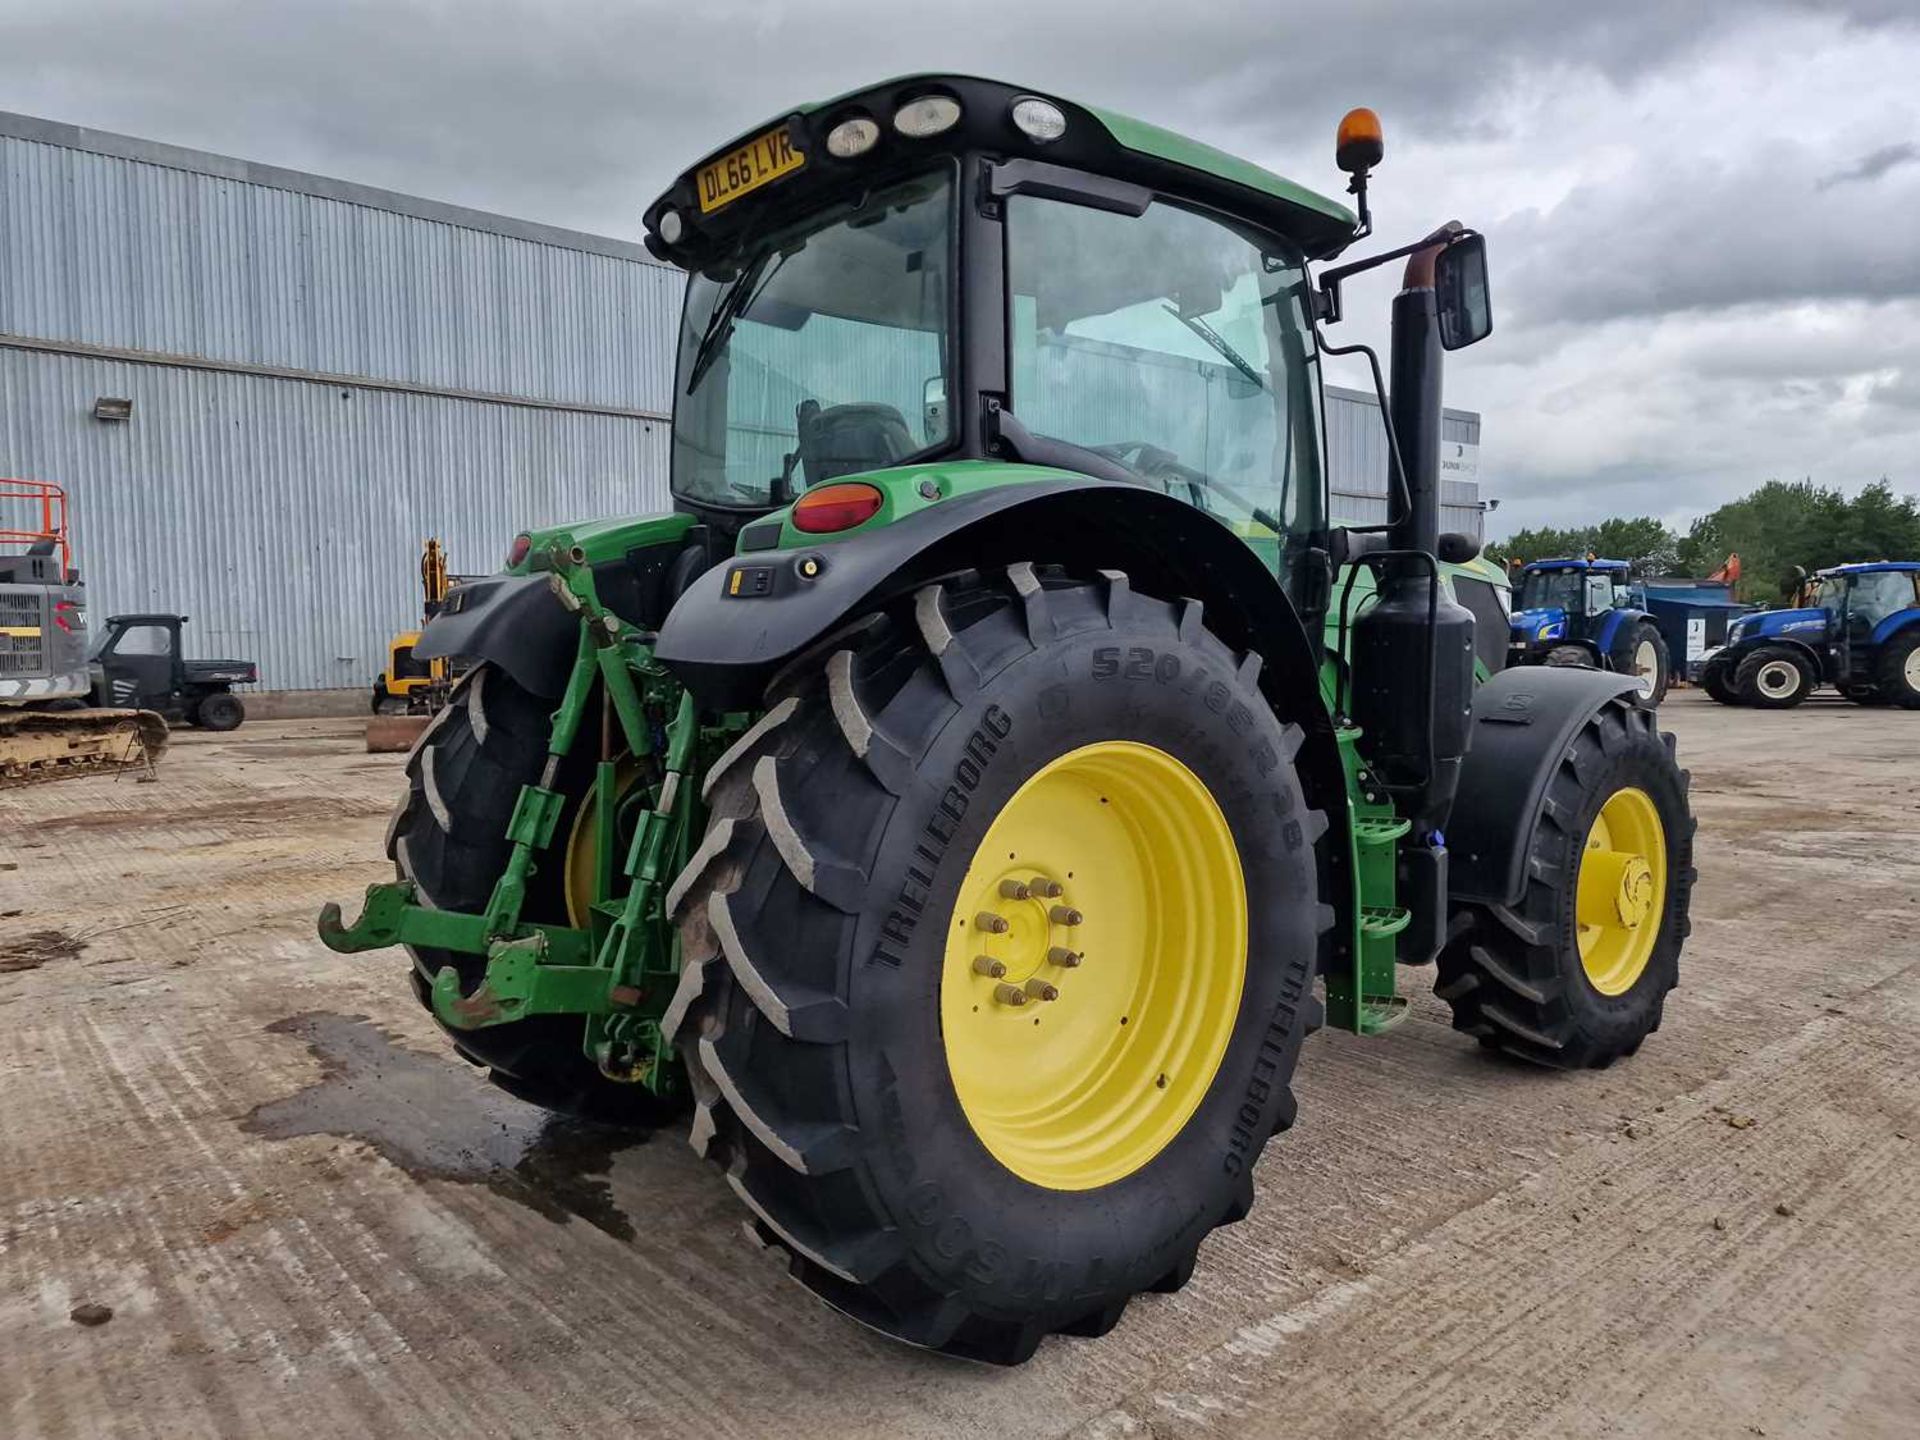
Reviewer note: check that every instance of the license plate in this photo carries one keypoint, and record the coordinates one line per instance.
(760, 161)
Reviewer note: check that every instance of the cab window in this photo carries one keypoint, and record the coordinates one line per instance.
(1878, 595)
(1179, 347)
(138, 640)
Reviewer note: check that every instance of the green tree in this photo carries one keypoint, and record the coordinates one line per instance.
(1648, 545)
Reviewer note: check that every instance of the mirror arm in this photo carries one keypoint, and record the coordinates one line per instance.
(1328, 299)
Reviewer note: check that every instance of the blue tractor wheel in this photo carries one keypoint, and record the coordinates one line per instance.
(1899, 669)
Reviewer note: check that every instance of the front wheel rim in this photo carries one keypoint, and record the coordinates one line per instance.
(1912, 669)
(1621, 894)
(1778, 679)
(1646, 664)
(1094, 965)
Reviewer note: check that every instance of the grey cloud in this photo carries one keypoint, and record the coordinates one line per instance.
(1872, 165)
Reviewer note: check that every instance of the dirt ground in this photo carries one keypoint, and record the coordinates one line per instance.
(309, 1218)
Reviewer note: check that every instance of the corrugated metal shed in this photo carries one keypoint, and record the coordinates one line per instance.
(322, 375)
(1357, 463)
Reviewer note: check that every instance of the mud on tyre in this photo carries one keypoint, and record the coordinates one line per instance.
(831, 1022)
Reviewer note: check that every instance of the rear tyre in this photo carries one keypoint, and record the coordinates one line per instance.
(219, 711)
(1642, 654)
(1774, 678)
(1899, 670)
(958, 1169)
(448, 836)
(1575, 975)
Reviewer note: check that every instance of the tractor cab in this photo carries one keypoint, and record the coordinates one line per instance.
(138, 663)
(1582, 612)
(1860, 634)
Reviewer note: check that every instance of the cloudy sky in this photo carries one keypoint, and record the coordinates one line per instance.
(1703, 217)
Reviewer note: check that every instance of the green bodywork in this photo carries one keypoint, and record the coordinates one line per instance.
(619, 972)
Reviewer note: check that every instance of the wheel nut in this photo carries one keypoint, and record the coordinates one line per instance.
(991, 923)
(1009, 994)
(1045, 888)
(1065, 915)
(1013, 890)
(988, 966)
(1039, 989)
(1063, 957)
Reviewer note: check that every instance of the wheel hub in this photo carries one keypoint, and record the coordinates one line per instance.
(1621, 890)
(1094, 965)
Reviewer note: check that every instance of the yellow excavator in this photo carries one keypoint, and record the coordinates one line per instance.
(419, 687)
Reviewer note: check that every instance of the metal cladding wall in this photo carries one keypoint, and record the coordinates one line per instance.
(322, 375)
(1357, 463)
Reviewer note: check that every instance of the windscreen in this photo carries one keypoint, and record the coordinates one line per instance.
(818, 350)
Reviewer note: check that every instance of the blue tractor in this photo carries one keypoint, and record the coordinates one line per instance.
(1861, 635)
(1582, 613)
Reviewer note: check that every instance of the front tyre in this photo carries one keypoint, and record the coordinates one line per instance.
(1643, 656)
(1717, 680)
(1774, 678)
(999, 952)
(1576, 974)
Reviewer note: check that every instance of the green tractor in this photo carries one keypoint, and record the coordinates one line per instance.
(967, 801)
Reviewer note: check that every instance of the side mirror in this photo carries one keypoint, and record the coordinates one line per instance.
(1460, 293)
(933, 410)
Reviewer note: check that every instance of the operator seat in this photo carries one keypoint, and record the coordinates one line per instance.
(847, 439)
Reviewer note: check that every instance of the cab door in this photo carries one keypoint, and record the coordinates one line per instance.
(139, 663)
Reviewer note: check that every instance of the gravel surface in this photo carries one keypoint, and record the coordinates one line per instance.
(247, 1189)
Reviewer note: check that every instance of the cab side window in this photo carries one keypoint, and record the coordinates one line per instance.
(143, 640)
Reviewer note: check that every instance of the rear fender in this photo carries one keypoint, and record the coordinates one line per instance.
(1523, 722)
(514, 621)
(1896, 624)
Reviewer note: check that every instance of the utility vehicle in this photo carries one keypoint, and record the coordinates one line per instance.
(1860, 634)
(139, 661)
(956, 798)
(1582, 612)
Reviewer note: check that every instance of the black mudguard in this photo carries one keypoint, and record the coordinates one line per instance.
(512, 620)
(725, 639)
(1523, 721)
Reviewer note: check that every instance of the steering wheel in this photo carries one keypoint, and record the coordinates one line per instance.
(1152, 462)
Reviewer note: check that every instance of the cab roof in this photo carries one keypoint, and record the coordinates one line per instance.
(1578, 563)
(1867, 567)
(1103, 142)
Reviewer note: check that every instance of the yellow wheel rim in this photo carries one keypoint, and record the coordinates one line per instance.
(1094, 965)
(582, 845)
(1622, 894)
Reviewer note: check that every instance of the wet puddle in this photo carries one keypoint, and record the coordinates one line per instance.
(441, 1121)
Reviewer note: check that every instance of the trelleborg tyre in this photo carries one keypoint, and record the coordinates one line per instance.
(952, 1165)
(448, 836)
(1576, 975)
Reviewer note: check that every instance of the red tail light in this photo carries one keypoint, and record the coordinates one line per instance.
(518, 551)
(65, 612)
(832, 508)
